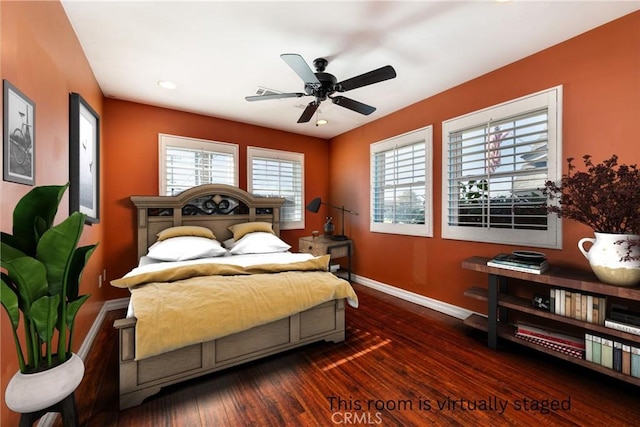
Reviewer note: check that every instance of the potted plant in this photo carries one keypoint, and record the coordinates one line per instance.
(42, 266)
(605, 197)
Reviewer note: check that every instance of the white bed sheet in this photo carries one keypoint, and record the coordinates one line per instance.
(147, 264)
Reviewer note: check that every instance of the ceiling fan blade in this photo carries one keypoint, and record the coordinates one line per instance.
(300, 66)
(381, 74)
(309, 112)
(274, 96)
(356, 106)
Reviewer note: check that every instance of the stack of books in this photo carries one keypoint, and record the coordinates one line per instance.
(535, 265)
(577, 305)
(612, 354)
(555, 340)
(622, 319)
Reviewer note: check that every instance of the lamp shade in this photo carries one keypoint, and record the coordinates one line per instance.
(314, 205)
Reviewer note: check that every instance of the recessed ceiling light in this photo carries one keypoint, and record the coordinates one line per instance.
(321, 122)
(166, 84)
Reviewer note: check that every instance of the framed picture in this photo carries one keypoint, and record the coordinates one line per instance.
(19, 136)
(84, 159)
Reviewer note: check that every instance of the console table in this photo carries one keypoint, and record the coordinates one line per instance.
(500, 303)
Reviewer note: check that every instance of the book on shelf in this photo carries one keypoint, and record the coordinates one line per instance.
(571, 351)
(579, 306)
(567, 303)
(619, 326)
(553, 336)
(606, 353)
(617, 356)
(626, 359)
(635, 362)
(620, 313)
(511, 259)
(515, 263)
(597, 346)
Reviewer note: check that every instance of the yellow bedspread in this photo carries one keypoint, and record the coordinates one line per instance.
(197, 303)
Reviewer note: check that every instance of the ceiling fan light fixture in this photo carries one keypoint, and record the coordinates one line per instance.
(166, 84)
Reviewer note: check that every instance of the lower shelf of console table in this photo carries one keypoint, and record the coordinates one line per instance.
(500, 302)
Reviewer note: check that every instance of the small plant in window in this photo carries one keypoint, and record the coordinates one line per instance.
(605, 197)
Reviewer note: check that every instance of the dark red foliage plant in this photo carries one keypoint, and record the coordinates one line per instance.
(606, 196)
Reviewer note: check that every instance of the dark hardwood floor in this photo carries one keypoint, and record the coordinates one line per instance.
(401, 364)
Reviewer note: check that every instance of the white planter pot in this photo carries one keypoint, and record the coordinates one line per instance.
(604, 257)
(28, 393)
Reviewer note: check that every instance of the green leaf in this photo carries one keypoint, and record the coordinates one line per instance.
(7, 251)
(34, 214)
(30, 278)
(9, 301)
(44, 313)
(56, 249)
(80, 258)
(73, 307)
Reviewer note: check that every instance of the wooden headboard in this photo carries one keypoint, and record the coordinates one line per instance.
(215, 206)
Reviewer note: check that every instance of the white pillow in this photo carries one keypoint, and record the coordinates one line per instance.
(183, 248)
(259, 243)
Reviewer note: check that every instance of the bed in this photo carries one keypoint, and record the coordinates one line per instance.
(223, 210)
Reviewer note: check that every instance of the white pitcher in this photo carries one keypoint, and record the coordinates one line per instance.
(605, 255)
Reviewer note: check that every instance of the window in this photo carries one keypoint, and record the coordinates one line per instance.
(187, 162)
(279, 174)
(495, 164)
(401, 200)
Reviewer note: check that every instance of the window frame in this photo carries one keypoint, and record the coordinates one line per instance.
(409, 138)
(166, 140)
(274, 154)
(551, 237)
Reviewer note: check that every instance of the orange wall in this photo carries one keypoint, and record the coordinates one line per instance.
(600, 72)
(42, 57)
(131, 151)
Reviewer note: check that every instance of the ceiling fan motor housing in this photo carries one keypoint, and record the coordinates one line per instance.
(327, 86)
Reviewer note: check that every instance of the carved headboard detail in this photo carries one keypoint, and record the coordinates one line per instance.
(215, 206)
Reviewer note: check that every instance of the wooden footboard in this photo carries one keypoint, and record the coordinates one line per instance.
(144, 378)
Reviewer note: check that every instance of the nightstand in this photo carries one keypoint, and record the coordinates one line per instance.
(323, 245)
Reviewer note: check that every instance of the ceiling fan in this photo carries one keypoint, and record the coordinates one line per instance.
(323, 85)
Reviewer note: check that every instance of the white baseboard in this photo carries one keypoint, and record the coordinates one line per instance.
(48, 419)
(434, 304)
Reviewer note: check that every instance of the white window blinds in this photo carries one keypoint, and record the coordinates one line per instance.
(401, 184)
(276, 173)
(497, 171)
(187, 162)
(495, 165)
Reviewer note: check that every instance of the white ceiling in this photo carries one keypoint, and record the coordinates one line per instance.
(218, 52)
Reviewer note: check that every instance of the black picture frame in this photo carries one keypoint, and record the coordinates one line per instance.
(84, 159)
(19, 136)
